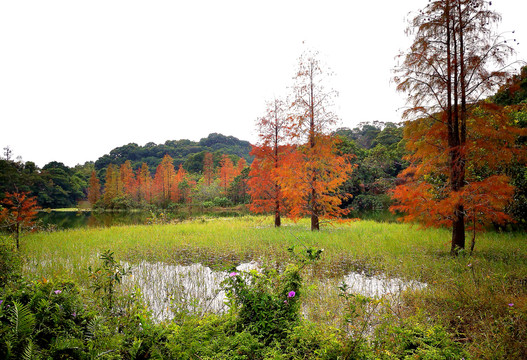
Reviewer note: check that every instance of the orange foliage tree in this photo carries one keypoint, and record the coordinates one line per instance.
(311, 175)
(227, 172)
(208, 169)
(263, 184)
(426, 195)
(144, 184)
(94, 188)
(182, 185)
(112, 186)
(164, 181)
(18, 212)
(128, 180)
(455, 60)
(242, 164)
(310, 178)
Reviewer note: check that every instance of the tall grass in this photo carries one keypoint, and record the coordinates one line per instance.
(398, 249)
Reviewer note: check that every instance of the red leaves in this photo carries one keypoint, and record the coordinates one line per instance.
(19, 208)
(427, 194)
(296, 164)
(94, 188)
(208, 169)
(144, 184)
(163, 179)
(227, 172)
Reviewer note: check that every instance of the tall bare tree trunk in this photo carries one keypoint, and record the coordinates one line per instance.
(456, 161)
(17, 235)
(277, 220)
(315, 224)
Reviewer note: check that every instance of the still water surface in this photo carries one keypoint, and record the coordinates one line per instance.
(72, 220)
(169, 290)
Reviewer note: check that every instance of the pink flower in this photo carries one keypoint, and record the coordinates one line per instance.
(234, 273)
(57, 291)
(291, 294)
(511, 304)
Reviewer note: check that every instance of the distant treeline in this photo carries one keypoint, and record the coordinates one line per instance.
(184, 152)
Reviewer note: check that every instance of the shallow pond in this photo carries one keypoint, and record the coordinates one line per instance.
(169, 290)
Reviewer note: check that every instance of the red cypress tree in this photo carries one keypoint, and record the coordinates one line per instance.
(208, 169)
(312, 174)
(164, 181)
(128, 180)
(18, 213)
(263, 185)
(144, 183)
(94, 189)
(112, 185)
(226, 173)
(454, 61)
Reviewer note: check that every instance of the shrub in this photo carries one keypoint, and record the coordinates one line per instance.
(41, 318)
(222, 202)
(267, 302)
(413, 339)
(106, 278)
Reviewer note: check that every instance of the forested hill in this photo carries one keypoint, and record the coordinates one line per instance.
(186, 152)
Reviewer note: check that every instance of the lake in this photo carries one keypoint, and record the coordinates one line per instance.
(77, 219)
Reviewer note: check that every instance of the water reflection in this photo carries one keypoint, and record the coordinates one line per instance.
(172, 290)
(72, 220)
(379, 286)
(77, 219)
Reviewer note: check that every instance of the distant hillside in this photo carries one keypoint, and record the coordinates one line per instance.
(186, 152)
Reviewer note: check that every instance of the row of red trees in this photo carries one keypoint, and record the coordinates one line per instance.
(168, 185)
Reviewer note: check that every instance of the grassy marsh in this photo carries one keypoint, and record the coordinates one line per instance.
(471, 295)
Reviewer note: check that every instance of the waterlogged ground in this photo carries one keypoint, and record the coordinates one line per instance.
(172, 290)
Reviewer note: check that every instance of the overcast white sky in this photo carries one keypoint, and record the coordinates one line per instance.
(79, 78)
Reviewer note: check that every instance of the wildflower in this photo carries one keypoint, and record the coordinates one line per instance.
(291, 294)
(469, 265)
(57, 291)
(74, 314)
(511, 304)
(1, 301)
(234, 273)
(285, 301)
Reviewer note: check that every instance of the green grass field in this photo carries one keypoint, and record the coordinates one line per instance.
(481, 298)
(398, 249)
